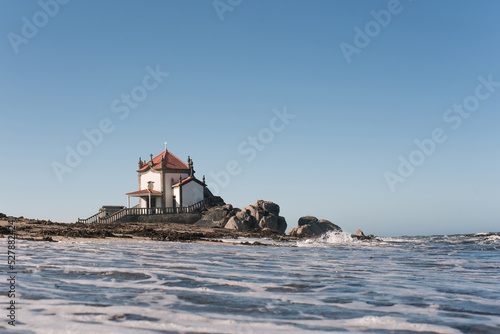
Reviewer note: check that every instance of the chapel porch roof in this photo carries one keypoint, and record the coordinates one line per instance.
(144, 192)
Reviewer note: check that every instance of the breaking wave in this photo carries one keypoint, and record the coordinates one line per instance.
(329, 238)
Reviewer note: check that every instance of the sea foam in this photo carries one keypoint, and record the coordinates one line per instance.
(331, 284)
(327, 239)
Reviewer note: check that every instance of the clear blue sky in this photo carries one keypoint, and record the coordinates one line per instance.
(360, 101)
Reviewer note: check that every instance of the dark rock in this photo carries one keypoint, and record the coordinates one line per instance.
(263, 215)
(236, 223)
(216, 216)
(307, 220)
(282, 225)
(248, 219)
(270, 207)
(270, 222)
(252, 210)
(5, 230)
(359, 233)
(242, 221)
(243, 214)
(310, 226)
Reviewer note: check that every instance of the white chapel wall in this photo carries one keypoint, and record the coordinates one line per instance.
(151, 176)
(192, 192)
(168, 186)
(177, 197)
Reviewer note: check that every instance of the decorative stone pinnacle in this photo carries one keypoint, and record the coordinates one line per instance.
(191, 168)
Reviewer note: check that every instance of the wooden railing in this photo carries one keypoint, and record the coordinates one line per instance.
(135, 211)
(91, 219)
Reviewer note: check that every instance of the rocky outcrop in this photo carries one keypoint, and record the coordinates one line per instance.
(216, 216)
(358, 234)
(242, 221)
(282, 225)
(310, 226)
(263, 215)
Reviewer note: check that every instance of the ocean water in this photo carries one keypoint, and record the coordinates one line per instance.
(437, 284)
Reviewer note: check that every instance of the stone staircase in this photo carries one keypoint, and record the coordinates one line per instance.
(136, 211)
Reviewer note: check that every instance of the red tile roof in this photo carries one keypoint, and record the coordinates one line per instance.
(170, 161)
(144, 192)
(186, 180)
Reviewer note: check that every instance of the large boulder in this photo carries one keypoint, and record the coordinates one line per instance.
(263, 215)
(270, 207)
(216, 216)
(267, 214)
(307, 220)
(359, 233)
(270, 222)
(263, 208)
(235, 223)
(281, 225)
(242, 221)
(310, 226)
(253, 211)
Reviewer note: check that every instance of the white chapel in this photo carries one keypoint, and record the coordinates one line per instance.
(167, 182)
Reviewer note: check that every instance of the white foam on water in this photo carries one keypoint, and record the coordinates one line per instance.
(394, 239)
(250, 241)
(494, 237)
(59, 316)
(126, 287)
(327, 239)
(397, 324)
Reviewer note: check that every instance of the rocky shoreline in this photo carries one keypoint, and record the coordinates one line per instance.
(46, 230)
(210, 225)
